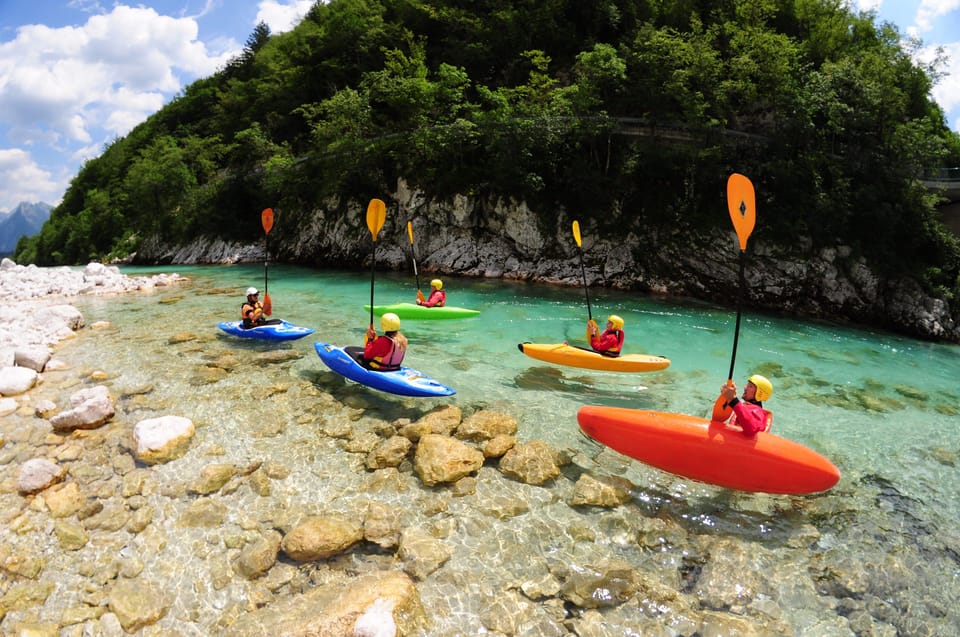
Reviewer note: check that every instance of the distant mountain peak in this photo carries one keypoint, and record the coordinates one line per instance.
(25, 220)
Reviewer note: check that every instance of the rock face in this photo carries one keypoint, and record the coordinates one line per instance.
(498, 238)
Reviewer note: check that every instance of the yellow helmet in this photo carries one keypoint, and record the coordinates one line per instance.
(764, 386)
(616, 321)
(436, 283)
(390, 322)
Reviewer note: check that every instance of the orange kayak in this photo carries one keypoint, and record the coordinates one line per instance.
(563, 354)
(709, 452)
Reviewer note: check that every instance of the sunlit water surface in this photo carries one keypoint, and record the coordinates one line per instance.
(883, 408)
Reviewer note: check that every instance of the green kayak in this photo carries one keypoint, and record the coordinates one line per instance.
(416, 312)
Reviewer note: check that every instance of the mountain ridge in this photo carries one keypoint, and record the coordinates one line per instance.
(25, 220)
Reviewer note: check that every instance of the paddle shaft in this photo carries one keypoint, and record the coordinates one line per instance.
(583, 270)
(413, 254)
(266, 264)
(736, 329)
(373, 266)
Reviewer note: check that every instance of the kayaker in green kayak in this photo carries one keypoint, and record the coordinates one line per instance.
(437, 298)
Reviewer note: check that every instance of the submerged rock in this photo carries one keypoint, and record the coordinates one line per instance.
(441, 459)
(38, 474)
(159, 440)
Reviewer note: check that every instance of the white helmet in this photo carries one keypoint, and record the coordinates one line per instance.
(252, 291)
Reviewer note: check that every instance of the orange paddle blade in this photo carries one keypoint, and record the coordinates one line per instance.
(266, 218)
(420, 296)
(741, 204)
(267, 304)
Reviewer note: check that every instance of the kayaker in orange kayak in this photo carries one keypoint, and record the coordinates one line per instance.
(610, 342)
(747, 411)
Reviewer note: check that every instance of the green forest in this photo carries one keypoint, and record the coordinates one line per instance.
(612, 108)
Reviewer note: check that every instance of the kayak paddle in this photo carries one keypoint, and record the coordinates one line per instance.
(583, 271)
(376, 216)
(413, 254)
(266, 220)
(743, 213)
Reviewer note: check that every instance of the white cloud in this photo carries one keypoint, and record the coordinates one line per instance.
(947, 90)
(70, 90)
(930, 10)
(128, 60)
(282, 17)
(24, 180)
(867, 5)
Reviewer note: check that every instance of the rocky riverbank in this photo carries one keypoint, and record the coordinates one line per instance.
(36, 314)
(81, 503)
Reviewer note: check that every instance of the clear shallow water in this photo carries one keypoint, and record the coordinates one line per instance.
(884, 409)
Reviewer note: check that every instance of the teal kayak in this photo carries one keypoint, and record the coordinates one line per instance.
(416, 312)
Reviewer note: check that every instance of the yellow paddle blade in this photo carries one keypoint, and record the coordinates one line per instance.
(576, 233)
(410, 231)
(741, 204)
(376, 216)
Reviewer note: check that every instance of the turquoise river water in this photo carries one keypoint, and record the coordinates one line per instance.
(883, 556)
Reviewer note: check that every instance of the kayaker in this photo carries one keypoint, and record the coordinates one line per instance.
(747, 411)
(437, 298)
(610, 342)
(385, 353)
(251, 311)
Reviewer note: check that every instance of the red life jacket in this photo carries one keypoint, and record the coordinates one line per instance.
(391, 361)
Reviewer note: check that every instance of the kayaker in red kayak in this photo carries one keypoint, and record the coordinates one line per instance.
(610, 342)
(747, 411)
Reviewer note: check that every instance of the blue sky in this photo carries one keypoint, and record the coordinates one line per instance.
(76, 74)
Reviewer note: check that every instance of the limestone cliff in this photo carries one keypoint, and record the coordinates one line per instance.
(499, 238)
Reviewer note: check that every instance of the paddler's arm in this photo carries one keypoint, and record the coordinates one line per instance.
(722, 407)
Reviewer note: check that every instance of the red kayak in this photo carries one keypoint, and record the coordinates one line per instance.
(709, 452)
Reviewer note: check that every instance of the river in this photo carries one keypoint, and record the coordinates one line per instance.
(877, 554)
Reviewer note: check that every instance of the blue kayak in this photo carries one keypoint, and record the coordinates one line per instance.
(282, 331)
(404, 381)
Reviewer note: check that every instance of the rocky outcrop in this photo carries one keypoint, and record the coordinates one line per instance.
(504, 238)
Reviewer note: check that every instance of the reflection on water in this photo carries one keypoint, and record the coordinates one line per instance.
(878, 554)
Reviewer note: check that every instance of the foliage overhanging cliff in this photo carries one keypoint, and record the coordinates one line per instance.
(625, 111)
